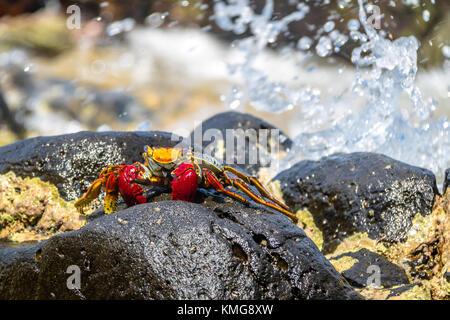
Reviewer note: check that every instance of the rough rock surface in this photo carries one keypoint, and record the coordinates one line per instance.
(73, 161)
(176, 250)
(367, 266)
(32, 210)
(359, 192)
(217, 126)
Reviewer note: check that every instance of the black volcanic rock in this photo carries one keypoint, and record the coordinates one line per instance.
(176, 250)
(241, 123)
(73, 161)
(364, 271)
(359, 192)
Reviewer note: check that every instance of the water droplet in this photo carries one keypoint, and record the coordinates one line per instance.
(155, 20)
(324, 47)
(117, 27)
(446, 51)
(353, 25)
(235, 104)
(29, 68)
(426, 15)
(304, 43)
(329, 26)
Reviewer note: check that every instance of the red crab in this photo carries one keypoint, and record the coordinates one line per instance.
(181, 169)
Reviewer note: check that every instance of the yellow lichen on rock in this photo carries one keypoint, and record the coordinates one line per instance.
(421, 291)
(440, 283)
(273, 187)
(344, 263)
(306, 222)
(415, 291)
(354, 243)
(305, 218)
(31, 209)
(428, 241)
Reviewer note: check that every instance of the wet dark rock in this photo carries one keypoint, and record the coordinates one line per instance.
(446, 180)
(256, 155)
(112, 105)
(71, 102)
(9, 117)
(402, 289)
(176, 250)
(359, 192)
(17, 265)
(364, 271)
(116, 9)
(73, 161)
(13, 8)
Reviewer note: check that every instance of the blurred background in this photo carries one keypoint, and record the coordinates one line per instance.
(165, 64)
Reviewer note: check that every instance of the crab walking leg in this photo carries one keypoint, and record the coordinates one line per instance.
(96, 187)
(216, 185)
(241, 185)
(112, 193)
(253, 181)
(91, 194)
(110, 169)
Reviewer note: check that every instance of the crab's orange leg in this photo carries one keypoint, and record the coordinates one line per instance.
(112, 193)
(90, 195)
(216, 185)
(110, 169)
(96, 187)
(253, 181)
(241, 185)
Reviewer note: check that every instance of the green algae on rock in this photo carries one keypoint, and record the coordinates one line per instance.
(31, 209)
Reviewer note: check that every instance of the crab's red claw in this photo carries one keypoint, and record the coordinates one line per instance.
(184, 183)
(131, 192)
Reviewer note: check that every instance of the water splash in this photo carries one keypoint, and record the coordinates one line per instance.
(238, 17)
(384, 70)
